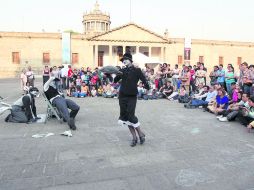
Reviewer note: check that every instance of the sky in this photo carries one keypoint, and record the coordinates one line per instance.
(196, 19)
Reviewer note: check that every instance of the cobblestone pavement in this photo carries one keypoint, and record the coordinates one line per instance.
(185, 150)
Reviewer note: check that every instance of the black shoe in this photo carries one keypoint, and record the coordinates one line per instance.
(134, 142)
(7, 118)
(71, 124)
(142, 139)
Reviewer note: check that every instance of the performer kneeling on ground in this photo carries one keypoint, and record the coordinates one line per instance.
(24, 109)
(128, 97)
(61, 103)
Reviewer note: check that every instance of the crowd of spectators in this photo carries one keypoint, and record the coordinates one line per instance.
(227, 93)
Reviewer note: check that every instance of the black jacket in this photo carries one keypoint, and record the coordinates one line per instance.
(130, 77)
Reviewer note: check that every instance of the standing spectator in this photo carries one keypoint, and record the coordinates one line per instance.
(192, 79)
(200, 75)
(221, 76)
(55, 73)
(46, 74)
(69, 76)
(246, 79)
(229, 78)
(64, 75)
(175, 76)
(78, 83)
(158, 78)
(185, 78)
(151, 79)
(23, 81)
(30, 76)
(214, 75)
(251, 70)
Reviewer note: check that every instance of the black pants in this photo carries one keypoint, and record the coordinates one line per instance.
(244, 120)
(127, 109)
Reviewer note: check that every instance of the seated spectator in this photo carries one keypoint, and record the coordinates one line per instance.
(183, 95)
(233, 109)
(100, 91)
(85, 89)
(202, 93)
(221, 103)
(94, 92)
(71, 90)
(210, 97)
(167, 89)
(246, 115)
(141, 90)
(109, 91)
(150, 95)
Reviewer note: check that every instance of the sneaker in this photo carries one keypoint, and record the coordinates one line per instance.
(219, 116)
(223, 119)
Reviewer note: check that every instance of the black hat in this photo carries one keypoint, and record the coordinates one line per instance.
(126, 56)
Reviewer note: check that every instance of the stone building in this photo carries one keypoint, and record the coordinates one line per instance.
(99, 46)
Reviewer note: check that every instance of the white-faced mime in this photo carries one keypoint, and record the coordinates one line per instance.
(23, 110)
(128, 97)
(62, 104)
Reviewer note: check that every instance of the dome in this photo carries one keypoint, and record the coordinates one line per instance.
(96, 22)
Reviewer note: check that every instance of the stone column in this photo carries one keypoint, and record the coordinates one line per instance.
(162, 54)
(124, 49)
(110, 54)
(150, 51)
(137, 49)
(95, 55)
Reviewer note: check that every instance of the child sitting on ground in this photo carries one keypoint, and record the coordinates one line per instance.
(100, 91)
(71, 90)
(85, 89)
(93, 92)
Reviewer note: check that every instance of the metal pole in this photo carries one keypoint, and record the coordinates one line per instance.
(130, 10)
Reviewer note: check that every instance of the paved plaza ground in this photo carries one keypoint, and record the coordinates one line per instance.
(185, 150)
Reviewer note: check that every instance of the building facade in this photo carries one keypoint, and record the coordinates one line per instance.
(100, 46)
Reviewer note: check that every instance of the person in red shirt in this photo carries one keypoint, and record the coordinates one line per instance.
(70, 74)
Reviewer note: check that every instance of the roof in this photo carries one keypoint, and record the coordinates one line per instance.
(126, 33)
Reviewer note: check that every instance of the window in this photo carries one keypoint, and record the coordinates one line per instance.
(15, 57)
(100, 58)
(46, 58)
(103, 26)
(239, 60)
(92, 25)
(180, 59)
(98, 24)
(74, 59)
(221, 60)
(201, 59)
(88, 26)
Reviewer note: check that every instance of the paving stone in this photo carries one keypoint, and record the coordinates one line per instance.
(185, 150)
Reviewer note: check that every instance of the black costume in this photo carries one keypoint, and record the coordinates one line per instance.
(61, 103)
(24, 109)
(128, 97)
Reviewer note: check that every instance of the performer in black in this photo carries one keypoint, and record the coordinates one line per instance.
(128, 97)
(24, 109)
(62, 104)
